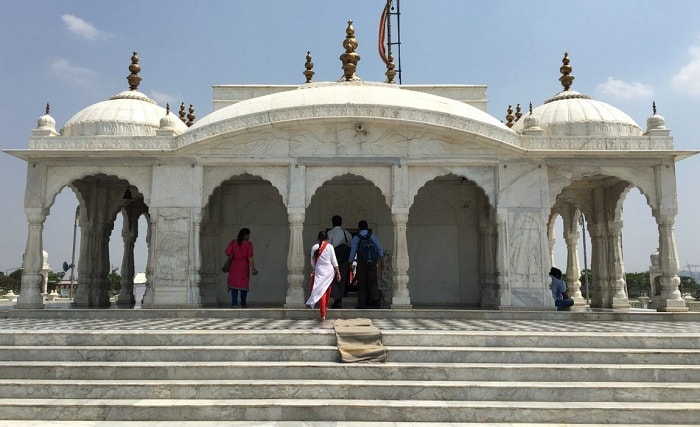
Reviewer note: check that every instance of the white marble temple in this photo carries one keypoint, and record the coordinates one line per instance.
(463, 203)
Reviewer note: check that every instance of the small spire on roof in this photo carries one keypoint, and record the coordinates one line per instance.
(182, 113)
(518, 112)
(47, 108)
(190, 116)
(167, 108)
(530, 108)
(566, 79)
(350, 58)
(510, 117)
(390, 72)
(309, 72)
(653, 107)
(134, 78)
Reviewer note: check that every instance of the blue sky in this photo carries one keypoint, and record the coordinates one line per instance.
(75, 53)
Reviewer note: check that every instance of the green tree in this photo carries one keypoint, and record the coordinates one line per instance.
(637, 284)
(53, 279)
(11, 281)
(115, 280)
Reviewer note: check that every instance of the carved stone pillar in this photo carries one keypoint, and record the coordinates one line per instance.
(30, 291)
(148, 294)
(616, 268)
(487, 265)
(573, 269)
(667, 282)
(194, 294)
(295, 260)
(599, 270)
(400, 295)
(502, 271)
(126, 293)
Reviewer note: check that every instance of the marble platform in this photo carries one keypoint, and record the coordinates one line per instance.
(280, 367)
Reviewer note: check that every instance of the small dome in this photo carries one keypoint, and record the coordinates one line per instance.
(170, 125)
(169, 121)
(45, 125)
(656, 124)
(570, 113)
(129, 113)
(46, 122)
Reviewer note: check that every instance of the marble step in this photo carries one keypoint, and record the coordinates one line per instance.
(450, 338)
(352, 389)
(426, 371)
(330, 354)
(59, 423)
(325, 335)
(357, 410)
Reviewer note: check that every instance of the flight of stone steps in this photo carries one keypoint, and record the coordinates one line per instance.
(277, 371)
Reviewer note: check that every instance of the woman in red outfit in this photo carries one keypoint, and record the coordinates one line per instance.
(242, 267)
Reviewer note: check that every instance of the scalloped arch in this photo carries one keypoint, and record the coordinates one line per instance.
(58, 178)
(316, 177)
(644, 182)
(278, 176)
(483, 177)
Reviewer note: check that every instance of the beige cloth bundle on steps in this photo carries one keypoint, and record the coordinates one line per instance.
(359, 341)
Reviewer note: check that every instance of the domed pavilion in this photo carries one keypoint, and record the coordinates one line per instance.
(463, 203)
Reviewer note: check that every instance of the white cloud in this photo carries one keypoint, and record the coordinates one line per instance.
(165, 98)
(80, 27)
(620, 89)
(688, 78)
(63, 69)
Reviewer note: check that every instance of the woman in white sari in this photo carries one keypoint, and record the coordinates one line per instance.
(325, 266)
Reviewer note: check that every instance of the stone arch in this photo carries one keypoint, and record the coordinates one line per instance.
(643, 179)
(379, 176)
(449, 216)
(58, 178)
(252, 202)
(482, 176)
(354, 198)
(215, 177)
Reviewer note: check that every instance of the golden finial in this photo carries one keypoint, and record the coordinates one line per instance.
(134, 78)
(350, 58)
(510, 116)
(190, 116)
(47, 108)
(518, 113)
(182, 113)
(309, 72)
(390, 72)
(566, 79)
(653, 107)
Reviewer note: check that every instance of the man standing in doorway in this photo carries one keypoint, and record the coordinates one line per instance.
(341, 239)
(367, 252)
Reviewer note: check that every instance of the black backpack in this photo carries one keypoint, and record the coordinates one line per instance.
(367, 250)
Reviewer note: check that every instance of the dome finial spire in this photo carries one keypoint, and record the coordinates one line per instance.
(566, 78)
(47, 108)
(350, 58)
(510, 116)
(653, 107)
(309, 67)
(134, 78)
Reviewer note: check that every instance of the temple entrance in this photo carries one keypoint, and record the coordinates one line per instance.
(251, 202)
(444, 243)
(354, 199)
